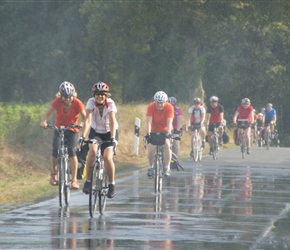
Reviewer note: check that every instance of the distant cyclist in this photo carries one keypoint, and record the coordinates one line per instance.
(196, 115)
(269, 118)
(245, 115)
(215, 117)
(159, 117)
(177, 126)
(101, 123)
(259, 124)
(67, 108)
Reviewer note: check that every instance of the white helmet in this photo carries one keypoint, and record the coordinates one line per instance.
(245, 100)
(160, 96)
(260, 115)
(214, 99)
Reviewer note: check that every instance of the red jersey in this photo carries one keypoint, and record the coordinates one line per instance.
(67, 118)
(245, 113)
(215, 113)
(159, 117)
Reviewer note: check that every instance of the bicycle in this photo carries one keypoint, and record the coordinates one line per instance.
(99, 180)
(242, 125)
(63, 166)
(260, 136)
(159, 166)
(268, 137)
(196, 147)
(215, 141)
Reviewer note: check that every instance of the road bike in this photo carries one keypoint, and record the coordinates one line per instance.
(196, 145)
(268, 137)
(242, 125)
(63, 166)
(260, 136)
(99, 180)
(159, 165)
(215, 141)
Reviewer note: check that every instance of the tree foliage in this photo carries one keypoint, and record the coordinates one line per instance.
(236, 49)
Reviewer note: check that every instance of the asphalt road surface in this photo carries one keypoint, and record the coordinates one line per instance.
(228, 203)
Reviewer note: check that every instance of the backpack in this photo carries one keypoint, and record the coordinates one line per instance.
(226, 137)
(82, 157)
(174, 164)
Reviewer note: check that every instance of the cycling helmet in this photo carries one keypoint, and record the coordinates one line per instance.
(245, 100)
(101, 87)
(269, 105)
(196, 100)
(66, 89)
(172, 100)
(214, 99)
(260, 115)
(160, 96)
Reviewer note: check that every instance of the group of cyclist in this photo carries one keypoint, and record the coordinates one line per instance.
(163, 125)
(166, 119)
(98, 119)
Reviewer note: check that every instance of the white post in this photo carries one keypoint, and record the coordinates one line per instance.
(136, 135)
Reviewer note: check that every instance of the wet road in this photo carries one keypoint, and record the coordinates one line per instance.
(229, 203)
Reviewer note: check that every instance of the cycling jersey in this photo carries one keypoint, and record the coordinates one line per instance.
(177, 112)
(159, 117)
(245, 113)
(269, 115)
(71, 116)
(215, 113)
(196, 114)
(101, 124)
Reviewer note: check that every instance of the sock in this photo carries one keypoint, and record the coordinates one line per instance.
(112, 183)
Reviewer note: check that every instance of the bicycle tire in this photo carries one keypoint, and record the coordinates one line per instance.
(67, 182)
(243, 145)
(103, 192)
(268, 140)
(94, 192)
(215, 147)
(156, 176)
(61, 181)
(161, 173)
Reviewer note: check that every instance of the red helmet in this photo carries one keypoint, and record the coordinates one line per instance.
(101, 87)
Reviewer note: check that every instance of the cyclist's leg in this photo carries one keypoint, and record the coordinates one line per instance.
(220, 132)
(202, 135)
(209, 135)
(176, 147)
(55, 146)
(248, 138)
(72, 140)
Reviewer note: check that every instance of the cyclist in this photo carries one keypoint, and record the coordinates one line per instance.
(259, 125)
(67, 108)
(269, 119)
(196, 115)
(159, 117)
(101, 123)
(254, 126)
(244, 113)
(215, 115)
(177, 126)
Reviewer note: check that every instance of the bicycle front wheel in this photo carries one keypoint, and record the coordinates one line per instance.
(67, 182)
(61, 180)
(215, 148)
(103, 193)
(94, 191)
(268, 140)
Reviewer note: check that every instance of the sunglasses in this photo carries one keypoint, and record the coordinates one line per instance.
(100, 93)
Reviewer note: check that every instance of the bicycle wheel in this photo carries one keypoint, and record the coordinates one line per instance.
(215, 147)
(243, 146)
(94, 191)
(268, 140)
(67, 181)
(195, 149)
(161, 173)
(157, 173)
(61, 180)
(103, 178)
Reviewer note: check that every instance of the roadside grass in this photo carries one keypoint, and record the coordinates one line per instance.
(25, 150)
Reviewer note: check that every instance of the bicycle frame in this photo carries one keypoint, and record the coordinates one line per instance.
(268, 136)
(215, 141)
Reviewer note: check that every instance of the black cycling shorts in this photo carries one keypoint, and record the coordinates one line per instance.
(70, 139)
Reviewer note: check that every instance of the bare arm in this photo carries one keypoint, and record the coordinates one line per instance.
(179, 122)
(113, 123)
(235, 117)
(169, 125)
(87, 122)
(45, 117)
(148, 124)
